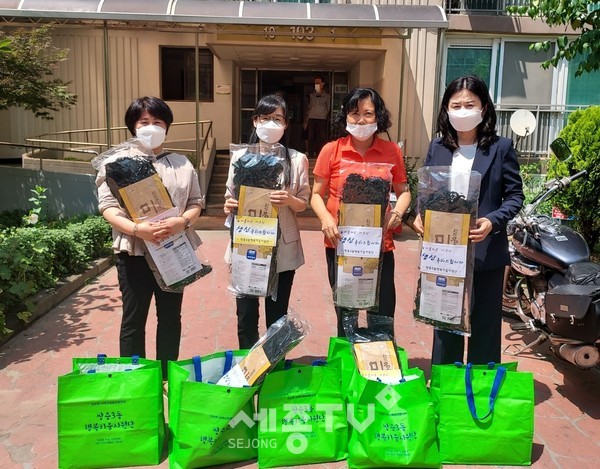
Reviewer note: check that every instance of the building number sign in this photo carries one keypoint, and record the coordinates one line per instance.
(297, 33)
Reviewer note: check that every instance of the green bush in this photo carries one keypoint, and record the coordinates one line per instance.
(12, 218)
(580, 199)
(34, 258)
(533, 184)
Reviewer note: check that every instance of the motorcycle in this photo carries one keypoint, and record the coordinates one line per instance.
(551, 285)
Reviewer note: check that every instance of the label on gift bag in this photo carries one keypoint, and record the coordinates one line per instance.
(146, 198)
(446, 228)
(174, 256)
(358, 255)
(442, 298)
(378, 361)
(248, 371)
(254, 237)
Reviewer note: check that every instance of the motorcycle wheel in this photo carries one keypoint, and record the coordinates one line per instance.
(515, 293)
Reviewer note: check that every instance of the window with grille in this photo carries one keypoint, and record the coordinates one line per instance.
(178, 74)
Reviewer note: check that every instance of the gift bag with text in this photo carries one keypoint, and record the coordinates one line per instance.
(391, 425)
(447, 201)
(255, 171)
(110, 413)
(303, 417)
(210, 424)
(364, 200)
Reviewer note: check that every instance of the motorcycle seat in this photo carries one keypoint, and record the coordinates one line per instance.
(583, 273)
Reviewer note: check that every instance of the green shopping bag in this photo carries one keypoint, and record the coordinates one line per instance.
(210, 424)
(303, 417)
(392, 425)
(436, 374)
(110, 413)
(341, 348)
(491, 407)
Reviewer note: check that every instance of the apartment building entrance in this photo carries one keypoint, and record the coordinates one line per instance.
(295, 86)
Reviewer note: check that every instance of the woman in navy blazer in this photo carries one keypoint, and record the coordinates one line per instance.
(467, 125)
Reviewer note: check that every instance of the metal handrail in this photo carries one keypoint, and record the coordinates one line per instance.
(39, 147)
(39, 141)
(481, 7)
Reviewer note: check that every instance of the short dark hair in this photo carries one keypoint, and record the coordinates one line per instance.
(350, 104)
(486, 130)
(156, 107)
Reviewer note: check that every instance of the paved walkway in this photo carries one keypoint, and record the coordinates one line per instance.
(567, 411)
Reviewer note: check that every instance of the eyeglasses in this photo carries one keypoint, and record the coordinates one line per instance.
(279, 120)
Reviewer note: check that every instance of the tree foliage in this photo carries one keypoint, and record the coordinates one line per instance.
(27, 64)
(582, 15)
(580, 199)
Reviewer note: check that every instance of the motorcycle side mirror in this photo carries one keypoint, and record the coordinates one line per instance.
(561, 150)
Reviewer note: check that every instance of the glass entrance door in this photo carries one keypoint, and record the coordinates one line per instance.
(295, 87)
(248, 99)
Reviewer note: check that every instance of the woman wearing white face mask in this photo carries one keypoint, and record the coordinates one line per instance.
(270, 123)
(148, 119)
(362, 117)
(467, 124)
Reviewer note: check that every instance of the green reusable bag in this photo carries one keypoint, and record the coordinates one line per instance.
(490, 408)
(303, 417)
(434, 384)
(110, 413)
(392, 425)
(210, 424)
(341, 348)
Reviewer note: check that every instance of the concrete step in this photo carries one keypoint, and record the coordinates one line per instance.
(220, 177)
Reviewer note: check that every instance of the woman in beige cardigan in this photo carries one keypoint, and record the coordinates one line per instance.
(270, 123)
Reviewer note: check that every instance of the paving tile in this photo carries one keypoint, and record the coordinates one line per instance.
(562, 438)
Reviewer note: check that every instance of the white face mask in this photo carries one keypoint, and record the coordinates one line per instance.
(151, 136)
(465, 120)
(361, 132)
(270, 132)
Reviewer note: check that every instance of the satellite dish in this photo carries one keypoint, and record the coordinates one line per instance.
(522, 122)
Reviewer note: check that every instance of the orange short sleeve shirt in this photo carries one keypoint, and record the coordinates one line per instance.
(328, 167)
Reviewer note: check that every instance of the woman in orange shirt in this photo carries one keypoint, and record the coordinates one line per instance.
(362, 117)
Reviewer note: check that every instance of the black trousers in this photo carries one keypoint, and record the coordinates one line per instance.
(247, 310)
(138, 285)
(387, 292)
(484, 344)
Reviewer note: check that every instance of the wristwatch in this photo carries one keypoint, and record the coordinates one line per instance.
(187, 222)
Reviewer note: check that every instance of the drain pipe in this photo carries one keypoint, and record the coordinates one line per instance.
(401, 84)
(199, 157)
(107, 87)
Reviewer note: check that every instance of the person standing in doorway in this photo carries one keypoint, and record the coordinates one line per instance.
(317, 115)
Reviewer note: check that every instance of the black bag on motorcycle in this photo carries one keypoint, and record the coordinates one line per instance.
(583, 273)
(574, 311)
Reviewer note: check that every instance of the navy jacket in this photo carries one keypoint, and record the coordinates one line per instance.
(500, 199)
